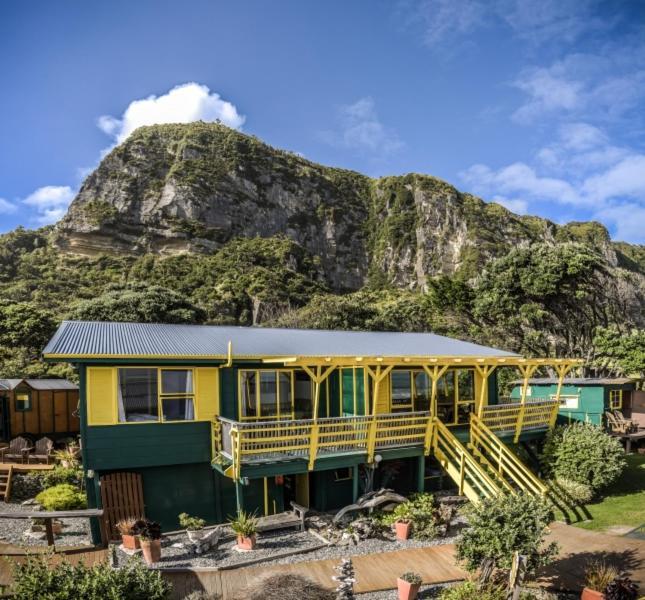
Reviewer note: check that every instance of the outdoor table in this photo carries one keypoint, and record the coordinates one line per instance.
(48, 516)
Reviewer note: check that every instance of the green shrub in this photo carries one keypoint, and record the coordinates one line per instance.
(59, 475)
(574, 492)
(470, 590)
(33, 579)
(191, 523)
(583, 453)
(503, 525)
(422, 512)
(61, 497)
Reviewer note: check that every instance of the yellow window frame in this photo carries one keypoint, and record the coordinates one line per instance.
(613, 404)
(410, 405)
(259, 417)
(161, 396)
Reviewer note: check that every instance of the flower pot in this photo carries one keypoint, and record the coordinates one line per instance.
(246, 542)
(402, 530)
(130, 542)
(151, 550)
(194, 535)
(589, 594)
(407, 590)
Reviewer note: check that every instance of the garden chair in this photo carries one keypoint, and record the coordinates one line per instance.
(614, 425)
(629, 424)
(17, 450)
(43, 450)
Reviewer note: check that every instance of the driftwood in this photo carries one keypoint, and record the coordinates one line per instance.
(208, 542)
(370, 501)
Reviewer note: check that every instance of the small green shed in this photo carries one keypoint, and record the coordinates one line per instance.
(581, 399)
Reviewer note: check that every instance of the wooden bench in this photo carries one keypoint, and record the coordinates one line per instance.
(285, 520)
(49, 516)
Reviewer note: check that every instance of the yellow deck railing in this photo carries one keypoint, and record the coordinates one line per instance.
(509, 470)
(471, 478)
(267, 441)
(517, 417)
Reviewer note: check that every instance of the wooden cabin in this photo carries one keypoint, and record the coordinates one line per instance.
(585, 398)
(207, 420)
(34, 408)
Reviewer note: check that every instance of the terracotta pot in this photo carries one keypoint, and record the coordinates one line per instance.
(246, 543)
(402, 530)
(589, 594)
(151, 550)
(131, 542)
(407, 591)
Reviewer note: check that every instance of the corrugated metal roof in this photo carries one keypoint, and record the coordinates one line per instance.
(96, 339)
(38, 384)
(578, 381)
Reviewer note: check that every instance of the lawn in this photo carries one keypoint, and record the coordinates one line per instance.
(624, 503)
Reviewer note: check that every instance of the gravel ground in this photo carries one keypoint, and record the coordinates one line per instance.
(76, 532)
(268, 544)
(278, 542)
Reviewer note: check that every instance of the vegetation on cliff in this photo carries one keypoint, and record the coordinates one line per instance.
(199, 223)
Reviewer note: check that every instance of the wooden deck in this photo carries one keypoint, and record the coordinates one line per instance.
(579, 546)
(374, 572)
(24, 467)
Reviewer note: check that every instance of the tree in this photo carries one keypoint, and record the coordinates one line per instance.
(25, 324)
(503, 525)
(139, 303)
(619, 352)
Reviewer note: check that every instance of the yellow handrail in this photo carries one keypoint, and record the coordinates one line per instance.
(472, 479)
(506, 465)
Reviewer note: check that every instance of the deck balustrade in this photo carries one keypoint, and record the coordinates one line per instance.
(241, 442)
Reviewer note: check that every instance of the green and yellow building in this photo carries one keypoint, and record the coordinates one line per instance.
(212, 419)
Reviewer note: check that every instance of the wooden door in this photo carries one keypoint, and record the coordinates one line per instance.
(121, 497)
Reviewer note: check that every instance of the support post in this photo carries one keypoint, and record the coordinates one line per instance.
(527, 371)
(484, 372)
(421, 472)
(354, 483)
(239, 496)
(562, 371)
(435, 374)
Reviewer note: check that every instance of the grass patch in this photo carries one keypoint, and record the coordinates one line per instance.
(625, 500)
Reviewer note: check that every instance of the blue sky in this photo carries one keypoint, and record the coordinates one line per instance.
(537, 105)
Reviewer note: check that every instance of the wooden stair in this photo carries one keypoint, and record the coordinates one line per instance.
(5, 482)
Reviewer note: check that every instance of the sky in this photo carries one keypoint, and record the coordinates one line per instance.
(538, 105)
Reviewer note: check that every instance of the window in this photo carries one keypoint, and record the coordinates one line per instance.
(152, 395)
(567, 401)
(401, 387)
(422, 391)
(22, 401)
(138, 397)
(615, 399)
(266, 394)
(304, 395)
(177, 395)
(343, 474)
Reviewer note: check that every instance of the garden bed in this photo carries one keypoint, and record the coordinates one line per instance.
(76, 532)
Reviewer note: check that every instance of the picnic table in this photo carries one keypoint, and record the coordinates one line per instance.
(49, 516)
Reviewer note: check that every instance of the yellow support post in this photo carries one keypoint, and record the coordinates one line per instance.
(527, 372)
(435, 374)
(484, 372)
(562, 371)
(313, 446)
(427, 440)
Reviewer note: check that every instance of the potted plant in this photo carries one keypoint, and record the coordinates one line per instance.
(408, 585)
(245, 526)
(150, 536)
(597, 577)
(129, 529)
(402, 528)
(621, 588)
(194, 526)
(68, 457)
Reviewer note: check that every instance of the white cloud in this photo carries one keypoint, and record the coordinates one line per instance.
(604, 181)
(535, 21)
(182, 104)
(360, 129)
(7, 207)
(515, 205)
(50, 202)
